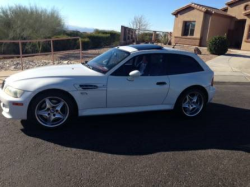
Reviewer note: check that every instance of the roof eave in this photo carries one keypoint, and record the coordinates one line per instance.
(189, 6)
(232, 2)
(224, 8)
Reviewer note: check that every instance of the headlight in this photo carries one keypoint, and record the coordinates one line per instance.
(13, 92)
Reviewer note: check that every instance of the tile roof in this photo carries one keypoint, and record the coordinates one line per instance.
(224, 8)
(232, 2)
(202, 8)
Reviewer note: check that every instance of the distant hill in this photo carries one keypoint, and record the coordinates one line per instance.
(81, 29)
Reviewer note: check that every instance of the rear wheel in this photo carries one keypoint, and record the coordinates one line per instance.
(191, 103)
(51, 109)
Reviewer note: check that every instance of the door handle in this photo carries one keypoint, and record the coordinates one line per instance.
(161, 83)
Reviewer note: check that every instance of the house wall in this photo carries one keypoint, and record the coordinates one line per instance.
(205, 29)
(219, 25)
(237, 10)
(189, 14)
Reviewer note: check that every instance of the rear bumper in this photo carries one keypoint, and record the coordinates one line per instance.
(12, 111)
(211, 92)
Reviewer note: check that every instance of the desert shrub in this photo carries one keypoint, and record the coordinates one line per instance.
(62, 45)
(218, 45)
(145, 37)
(9, 48)
(22, 23)
(85, 43)
(72, 33)
(164, 39)
(114, 36)
(99, 40)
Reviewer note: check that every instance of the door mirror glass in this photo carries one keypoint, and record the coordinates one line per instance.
(133, 75)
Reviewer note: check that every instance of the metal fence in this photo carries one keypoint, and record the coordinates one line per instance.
(52, 52)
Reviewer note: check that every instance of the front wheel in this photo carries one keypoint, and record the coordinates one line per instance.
(51, 110)
(191, 103)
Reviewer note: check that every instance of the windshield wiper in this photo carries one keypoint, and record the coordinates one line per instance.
(90, 67)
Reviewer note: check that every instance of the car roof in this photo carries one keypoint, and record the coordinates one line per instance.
(150, 47)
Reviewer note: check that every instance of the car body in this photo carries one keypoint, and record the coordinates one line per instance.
(111, 83)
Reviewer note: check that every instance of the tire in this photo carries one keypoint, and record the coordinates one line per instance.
(191, 103)
(51, 109)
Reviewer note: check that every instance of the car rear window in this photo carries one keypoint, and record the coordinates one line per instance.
(181, 64)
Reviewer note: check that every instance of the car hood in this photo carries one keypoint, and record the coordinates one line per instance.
(54, 71)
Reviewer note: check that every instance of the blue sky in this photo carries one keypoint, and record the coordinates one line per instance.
(111, 14)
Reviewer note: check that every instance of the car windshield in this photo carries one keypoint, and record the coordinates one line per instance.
(106, 61)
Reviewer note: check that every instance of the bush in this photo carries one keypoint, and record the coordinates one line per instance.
(99, 40)
(114, 36)
(85, 43)
(62, 45)
(22, 23)
(164, 39)
(218, 45)
(145, 37)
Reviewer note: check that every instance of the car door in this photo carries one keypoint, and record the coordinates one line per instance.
(150, 89)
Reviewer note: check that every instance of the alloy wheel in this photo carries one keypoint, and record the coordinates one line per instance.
(52, 112)
(192, 104)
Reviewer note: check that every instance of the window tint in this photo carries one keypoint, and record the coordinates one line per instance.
(180, 64)
(148, 65)
(189, 27)
(125, 69)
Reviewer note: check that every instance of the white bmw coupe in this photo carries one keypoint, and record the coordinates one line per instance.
(124, 79)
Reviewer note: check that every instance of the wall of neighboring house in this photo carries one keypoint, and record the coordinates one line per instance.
(189, 14)
(237, 10)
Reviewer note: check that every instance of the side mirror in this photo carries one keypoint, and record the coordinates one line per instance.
(134, 74)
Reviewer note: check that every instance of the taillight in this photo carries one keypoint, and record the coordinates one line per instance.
(212, 82)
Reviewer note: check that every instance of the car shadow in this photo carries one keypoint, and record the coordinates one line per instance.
(220, 127)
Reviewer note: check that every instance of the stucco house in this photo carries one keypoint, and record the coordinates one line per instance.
(195, 24)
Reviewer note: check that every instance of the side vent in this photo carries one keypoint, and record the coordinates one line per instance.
(88, 87)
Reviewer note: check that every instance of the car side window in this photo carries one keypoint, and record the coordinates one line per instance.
(125, 69)
(181, 64)
(148, 65)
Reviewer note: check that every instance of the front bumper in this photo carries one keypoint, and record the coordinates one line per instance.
(13, 111)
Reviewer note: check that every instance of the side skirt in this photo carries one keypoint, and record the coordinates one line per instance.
(104, 111)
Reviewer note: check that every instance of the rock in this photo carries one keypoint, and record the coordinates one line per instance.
(197, 51)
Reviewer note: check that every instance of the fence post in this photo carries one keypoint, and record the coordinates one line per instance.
(80, 42)
(21, 53)
(52, 50)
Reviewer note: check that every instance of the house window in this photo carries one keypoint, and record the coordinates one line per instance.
(189, 27)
